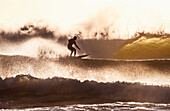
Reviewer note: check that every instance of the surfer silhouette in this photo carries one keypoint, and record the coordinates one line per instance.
(70, 45)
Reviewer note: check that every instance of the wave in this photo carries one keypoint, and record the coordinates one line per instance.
(146, 48)
(30, 40)
(27, 91)
(27, 32)
(155, 72)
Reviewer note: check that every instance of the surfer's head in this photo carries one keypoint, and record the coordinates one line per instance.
(75, 37)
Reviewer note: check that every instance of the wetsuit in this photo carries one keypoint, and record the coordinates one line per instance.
(71, 48)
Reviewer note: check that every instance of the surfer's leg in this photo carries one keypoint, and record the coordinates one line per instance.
(71, 53)
(71, 49)
(74, 50)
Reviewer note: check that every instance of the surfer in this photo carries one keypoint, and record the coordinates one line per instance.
(70, 47)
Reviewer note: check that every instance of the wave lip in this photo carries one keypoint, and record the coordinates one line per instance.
(146, 48)
(27, 91)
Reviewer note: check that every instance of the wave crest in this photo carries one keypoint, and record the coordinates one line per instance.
(31, 91)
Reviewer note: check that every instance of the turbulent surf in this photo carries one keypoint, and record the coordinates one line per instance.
(37, 72)
(49, 82)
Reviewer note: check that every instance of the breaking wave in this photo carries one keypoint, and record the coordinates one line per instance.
(154, 72)
(147, 46)
(31, 91)
(55, 79)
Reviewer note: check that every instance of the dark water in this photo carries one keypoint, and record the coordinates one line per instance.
(27, 91)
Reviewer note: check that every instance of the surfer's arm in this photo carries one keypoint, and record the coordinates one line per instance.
(76, 45)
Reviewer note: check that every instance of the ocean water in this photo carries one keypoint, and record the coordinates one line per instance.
(117, 106)
(42, 77)
(29, 83)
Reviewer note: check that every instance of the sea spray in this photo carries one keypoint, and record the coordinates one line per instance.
(154, 72)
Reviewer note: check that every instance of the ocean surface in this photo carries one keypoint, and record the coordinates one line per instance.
(117, 106)
(29, 83)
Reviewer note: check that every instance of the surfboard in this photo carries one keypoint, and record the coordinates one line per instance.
(73, 58)
(81, 56)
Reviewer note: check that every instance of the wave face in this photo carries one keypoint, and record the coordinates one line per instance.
(146, 48)
(27, 91)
